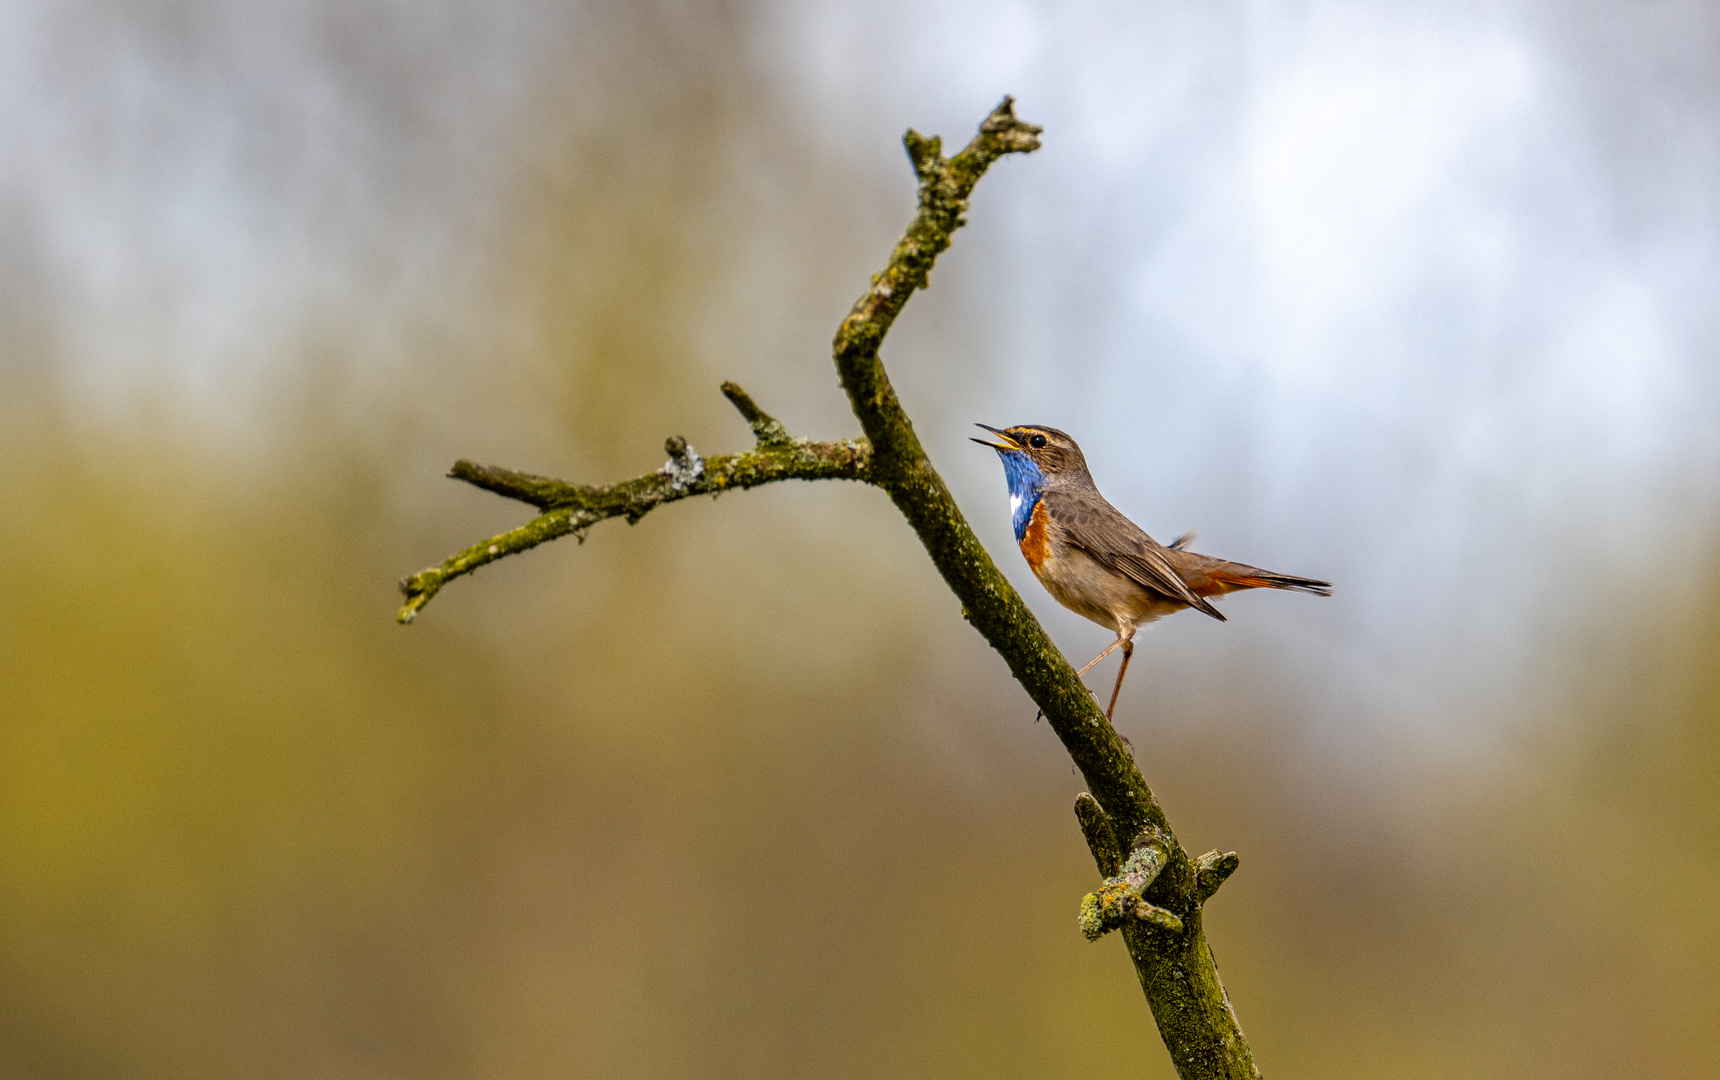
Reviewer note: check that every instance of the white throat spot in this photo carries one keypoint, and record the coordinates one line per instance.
(1014, 503)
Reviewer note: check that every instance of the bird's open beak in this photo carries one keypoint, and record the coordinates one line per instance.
(1008, 442)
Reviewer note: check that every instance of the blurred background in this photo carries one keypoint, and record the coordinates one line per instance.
(1417, 300)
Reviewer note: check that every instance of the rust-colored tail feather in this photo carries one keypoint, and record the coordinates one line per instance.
(1248, 577)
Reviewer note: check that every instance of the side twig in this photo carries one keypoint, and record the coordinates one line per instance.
(571, 508)
(1111, 905)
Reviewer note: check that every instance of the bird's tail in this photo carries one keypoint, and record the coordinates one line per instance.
(1237, 576)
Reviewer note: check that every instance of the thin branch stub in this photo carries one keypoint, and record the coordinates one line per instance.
(767, 429)
(1119, 899)
(1211, 870)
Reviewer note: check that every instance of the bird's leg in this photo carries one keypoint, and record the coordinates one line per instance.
(1113, 648)
(1128, 652)
(1128, 645)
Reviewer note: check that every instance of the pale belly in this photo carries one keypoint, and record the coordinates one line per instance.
(1112, 600)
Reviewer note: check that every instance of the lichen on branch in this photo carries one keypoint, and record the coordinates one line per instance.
(1119, 899)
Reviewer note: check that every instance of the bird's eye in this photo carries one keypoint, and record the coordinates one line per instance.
(1037, 442)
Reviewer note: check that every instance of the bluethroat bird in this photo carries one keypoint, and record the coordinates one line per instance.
(1098, 563)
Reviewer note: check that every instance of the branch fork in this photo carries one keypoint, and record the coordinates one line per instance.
(1163, 935)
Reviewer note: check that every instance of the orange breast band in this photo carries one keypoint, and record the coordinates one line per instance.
(1035, 546)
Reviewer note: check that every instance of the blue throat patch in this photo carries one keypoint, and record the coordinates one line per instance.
(1026, 484)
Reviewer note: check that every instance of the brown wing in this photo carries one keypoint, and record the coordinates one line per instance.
(1090, 523)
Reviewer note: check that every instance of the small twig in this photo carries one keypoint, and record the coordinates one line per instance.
(767, 429)
(540, 491)
(1210, 871)
(1119, 899)
(570, 508)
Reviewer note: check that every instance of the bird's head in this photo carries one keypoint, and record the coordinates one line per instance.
(1041, 454)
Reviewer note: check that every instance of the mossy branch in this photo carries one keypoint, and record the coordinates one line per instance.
(573, 508)
(900, 466)
(1154, 895)
(1176, 968)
